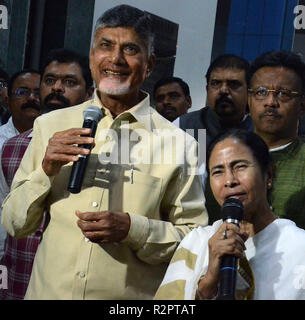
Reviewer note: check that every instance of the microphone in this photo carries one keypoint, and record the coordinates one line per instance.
(92, 116)
(232, 212)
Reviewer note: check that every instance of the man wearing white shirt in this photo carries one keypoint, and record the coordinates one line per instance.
(24, 106)
(23, 103)
(66, 81)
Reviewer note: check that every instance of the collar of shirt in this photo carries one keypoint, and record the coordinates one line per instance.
(141, 111)
(288, 152)
(11, 127)
(281, 147)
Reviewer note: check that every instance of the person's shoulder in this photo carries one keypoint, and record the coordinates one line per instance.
(290, 230)
(161, 123)
(59, 120)
(62, 119)
(3, 128)
(298, 152)
(20, 137)
(302, 145)
(192, 114)
(64, 114)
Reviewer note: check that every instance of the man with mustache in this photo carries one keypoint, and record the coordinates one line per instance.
(114, 239)
(276, 101)
(227, 84)
(24, 106)
(66, 81)
(23, 103)
(226, 107)
(4, 114)
(172, 97)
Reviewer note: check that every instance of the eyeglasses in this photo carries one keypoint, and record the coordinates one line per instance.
(281, 94)
(26, 92)
(3, 84)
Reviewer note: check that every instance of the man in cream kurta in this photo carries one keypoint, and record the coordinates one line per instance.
(163, 202)
(115, 238)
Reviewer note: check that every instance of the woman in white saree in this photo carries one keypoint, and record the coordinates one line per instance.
(271, 251)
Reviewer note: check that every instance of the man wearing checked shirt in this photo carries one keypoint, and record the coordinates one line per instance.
(115, 238)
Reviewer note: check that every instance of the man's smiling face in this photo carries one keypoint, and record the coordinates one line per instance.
(119, 61)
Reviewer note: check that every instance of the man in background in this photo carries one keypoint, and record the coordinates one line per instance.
(172, 97)
(24, 106)
(227, 107)
(277, 103)
(114, 239)
(66, 81)
(4, 114)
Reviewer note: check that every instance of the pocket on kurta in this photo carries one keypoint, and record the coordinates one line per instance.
(138, 193)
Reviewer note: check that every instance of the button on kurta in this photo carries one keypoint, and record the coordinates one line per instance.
(94, 204)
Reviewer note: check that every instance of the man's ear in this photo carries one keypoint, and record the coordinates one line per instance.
(189, 101)
(150, 65)
(270, 174)
(302, 107)
(7, 103)
(89, 93)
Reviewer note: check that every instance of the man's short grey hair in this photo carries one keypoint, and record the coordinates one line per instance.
(128, 16)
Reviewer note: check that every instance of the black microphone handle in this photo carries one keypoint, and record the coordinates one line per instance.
(79, 167)
(228, 273)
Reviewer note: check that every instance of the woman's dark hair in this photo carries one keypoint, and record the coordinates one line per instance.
(254, 142)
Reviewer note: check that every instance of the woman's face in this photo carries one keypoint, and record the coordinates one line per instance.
(235, 173)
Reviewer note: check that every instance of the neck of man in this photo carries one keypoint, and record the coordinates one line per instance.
(231, 122)
(275, 141)
(261, 219)
(23, 125)
(118, 104)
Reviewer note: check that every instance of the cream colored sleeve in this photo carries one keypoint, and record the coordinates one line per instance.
(22, 209)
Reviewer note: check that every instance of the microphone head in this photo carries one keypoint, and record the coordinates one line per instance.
(232, 209)
(93, 113)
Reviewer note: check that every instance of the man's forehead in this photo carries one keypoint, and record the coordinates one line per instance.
(275, 75)
(126, 34)
(228, 74)
(170, 87)
(63, 68)
(27, 79)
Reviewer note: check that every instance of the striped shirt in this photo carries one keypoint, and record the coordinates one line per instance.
(18, 253)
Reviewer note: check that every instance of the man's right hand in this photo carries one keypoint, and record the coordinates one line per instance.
(63, 148)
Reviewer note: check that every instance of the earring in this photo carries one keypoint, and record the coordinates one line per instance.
(269, 185)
